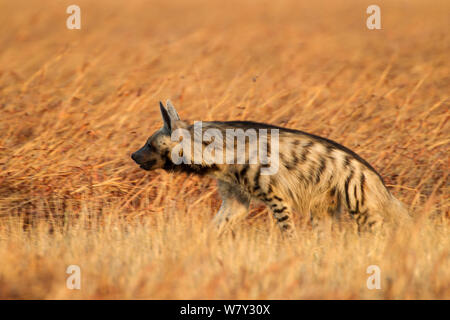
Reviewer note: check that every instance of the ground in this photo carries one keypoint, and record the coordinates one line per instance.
(76, 103)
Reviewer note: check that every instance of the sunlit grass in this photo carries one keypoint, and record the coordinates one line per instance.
(75, 104)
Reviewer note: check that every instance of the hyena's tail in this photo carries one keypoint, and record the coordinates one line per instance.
(396, 211)
(383, 204)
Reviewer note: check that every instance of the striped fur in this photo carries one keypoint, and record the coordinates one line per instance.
(316, 176)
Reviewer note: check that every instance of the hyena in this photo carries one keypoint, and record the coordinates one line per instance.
(315, 176)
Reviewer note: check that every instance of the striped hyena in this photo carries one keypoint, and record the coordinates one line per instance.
(307, 174)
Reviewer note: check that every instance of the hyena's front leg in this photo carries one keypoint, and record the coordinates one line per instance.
(282, 214)
(281, 210)
(235, 203)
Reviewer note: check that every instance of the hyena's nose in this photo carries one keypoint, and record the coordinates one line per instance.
(133, 156)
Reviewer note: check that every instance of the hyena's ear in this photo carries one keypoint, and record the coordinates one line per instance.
(172, 112)
(166, 118)
(175, 121)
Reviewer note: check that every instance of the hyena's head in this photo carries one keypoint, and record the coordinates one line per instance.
(155, 154)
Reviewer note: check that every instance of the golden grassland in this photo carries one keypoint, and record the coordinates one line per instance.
(75, 104)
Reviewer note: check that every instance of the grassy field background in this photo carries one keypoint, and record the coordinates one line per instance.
(75, 104)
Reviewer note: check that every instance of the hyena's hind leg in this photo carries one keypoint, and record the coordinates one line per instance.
(361, 203)
(326, 209)
(368, 220)
(235, 203)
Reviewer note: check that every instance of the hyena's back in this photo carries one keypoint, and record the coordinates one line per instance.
(317, 176)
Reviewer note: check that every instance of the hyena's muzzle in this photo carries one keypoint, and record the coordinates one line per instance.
(145, 158)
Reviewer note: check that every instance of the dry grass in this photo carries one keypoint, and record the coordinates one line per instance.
(75, 104)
